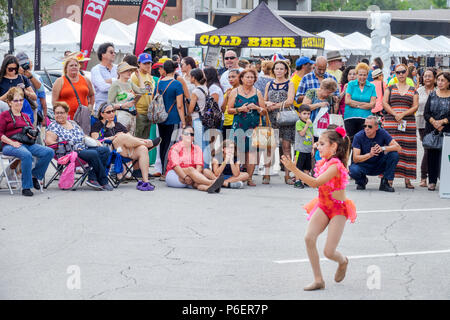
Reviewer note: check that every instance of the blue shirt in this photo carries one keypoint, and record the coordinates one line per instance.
(363, 143)
(99, 74)
(310, 81)
(170, 99)
(356, 94)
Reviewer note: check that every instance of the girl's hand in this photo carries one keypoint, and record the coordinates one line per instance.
(288, 164)
(398, 117)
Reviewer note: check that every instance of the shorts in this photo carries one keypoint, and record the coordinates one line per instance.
(303, 161)
(173, 181)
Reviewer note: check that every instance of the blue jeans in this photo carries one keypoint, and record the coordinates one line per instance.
(26, 153)
(97, 158)
(386, 166)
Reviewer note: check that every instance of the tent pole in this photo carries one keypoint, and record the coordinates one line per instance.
(210, 13)
(10, 27)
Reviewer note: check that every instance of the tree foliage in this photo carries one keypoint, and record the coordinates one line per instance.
(362, 5)
(23, 15)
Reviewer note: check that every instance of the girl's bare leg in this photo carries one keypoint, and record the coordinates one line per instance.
(209, 174)
(316, 226)
(243, 176)
(335, 230)
(250, 161)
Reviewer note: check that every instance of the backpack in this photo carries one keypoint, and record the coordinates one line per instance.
(211, 116)
(156, 112)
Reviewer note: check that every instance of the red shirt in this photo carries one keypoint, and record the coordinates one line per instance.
(178, 156)
(7, 126)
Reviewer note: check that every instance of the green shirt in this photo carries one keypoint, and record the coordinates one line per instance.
(303, 144)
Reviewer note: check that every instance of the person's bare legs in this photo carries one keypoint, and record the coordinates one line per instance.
(316, 226)
(250, 161)
(335, 230)
(141, 154)
(209, 174)
(286, 147)
(198, 177)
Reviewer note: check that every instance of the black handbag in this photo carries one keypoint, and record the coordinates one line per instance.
(28, 135)
(433, 140)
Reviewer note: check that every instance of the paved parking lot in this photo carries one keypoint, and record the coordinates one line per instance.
(239, 244)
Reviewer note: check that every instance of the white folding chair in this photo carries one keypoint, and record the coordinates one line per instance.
(10, 181)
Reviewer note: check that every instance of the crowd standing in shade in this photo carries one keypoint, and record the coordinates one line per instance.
(380, 117)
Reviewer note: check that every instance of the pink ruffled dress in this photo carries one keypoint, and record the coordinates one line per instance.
(331, 206)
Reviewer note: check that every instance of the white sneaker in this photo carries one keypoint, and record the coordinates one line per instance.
(236, 185)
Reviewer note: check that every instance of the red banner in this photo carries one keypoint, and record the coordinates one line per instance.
(149, 15)
(91, 17)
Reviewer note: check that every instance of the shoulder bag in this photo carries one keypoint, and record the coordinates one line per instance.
(83, 115)
(263, 137)
(286, 116)
(433, 140)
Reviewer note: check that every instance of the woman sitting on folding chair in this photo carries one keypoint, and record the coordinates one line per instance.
(96, 155)
(20, 142)
(130, 147)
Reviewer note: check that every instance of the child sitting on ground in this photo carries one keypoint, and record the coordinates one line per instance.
(303, 142)
(230, 166)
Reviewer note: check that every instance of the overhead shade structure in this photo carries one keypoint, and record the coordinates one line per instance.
(260, 28)
(435, 49)
(343, 45)
(166, 36)
(442, 41)
(192, 26)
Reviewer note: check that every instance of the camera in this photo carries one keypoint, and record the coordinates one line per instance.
(32, 132)
(26, 66)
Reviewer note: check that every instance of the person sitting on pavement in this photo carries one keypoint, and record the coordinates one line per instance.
(12, 123)
(374, 152)
(226, 163)
(63, 129)
(185, 166)
(131, 147)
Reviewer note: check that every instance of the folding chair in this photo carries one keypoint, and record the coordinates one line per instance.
(117, 159)
(63, 148)
(4, 173)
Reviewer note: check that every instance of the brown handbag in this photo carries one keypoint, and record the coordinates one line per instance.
(263, 137)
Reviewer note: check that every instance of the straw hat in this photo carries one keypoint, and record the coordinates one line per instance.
(376, 73)
(123, 66)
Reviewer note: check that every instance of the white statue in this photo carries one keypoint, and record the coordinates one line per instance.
(381, 39)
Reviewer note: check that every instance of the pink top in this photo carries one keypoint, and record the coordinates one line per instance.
(340, 181)
(379, 90)
(7, 125)
(178, 156)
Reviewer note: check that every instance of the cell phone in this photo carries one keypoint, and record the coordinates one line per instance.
(374, 144)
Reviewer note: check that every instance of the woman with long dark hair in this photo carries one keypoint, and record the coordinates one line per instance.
(348, 75)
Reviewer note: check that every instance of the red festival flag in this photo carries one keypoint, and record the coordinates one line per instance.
(149, 15)
(91, 17)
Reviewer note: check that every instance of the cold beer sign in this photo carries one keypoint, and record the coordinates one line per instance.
(149, 15)
(258, 42)
(93, 12)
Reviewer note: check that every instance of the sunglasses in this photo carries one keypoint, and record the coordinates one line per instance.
(60, 113)
(12, 69)
(368, 126)
(188, 134)
(17, 100)
(230, 58)
(400, 72)
(109, 112)
(111, 52)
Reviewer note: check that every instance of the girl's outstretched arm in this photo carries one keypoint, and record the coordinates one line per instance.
(329, 174)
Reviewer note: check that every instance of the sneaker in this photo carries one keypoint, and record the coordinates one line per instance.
(36, 184)
(362, 186)
(94, 184)
(145, 186)
(140, 182)
(236, 185)
(27, 193)
(107, 187)
(299, 184)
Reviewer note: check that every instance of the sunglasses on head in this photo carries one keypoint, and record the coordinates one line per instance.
(400, 72)
(368, 126)
(230, 58)
(188, 134)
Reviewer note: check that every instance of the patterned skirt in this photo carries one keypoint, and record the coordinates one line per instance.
(406, 167)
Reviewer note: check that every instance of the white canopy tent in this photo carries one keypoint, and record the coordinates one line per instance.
(436, 49)
(57, 37)
(166, 35)
(334, 41)
(192, 26)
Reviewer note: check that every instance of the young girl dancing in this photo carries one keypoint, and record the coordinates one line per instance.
(331, 208)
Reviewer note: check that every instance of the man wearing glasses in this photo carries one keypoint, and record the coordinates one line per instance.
(375, 152)
(231, 61)
(103, 74)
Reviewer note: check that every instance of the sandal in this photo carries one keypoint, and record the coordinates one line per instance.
(432, 186)
(423, 183)
(408, 184)
(215, 187)
(266, 179)
(250, 183)
(288, 181)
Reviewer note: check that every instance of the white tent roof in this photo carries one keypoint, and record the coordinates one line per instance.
(117, 30)
(166, 35)
(362, 40)
(334, 41)
(433, 47)
(443, 42)
(192, 26)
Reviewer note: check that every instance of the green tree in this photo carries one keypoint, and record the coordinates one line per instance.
(23, 15)
(362, 5)
(439, 3)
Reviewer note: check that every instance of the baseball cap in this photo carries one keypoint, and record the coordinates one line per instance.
(303, 60)
(22, 57)
(144, 58)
